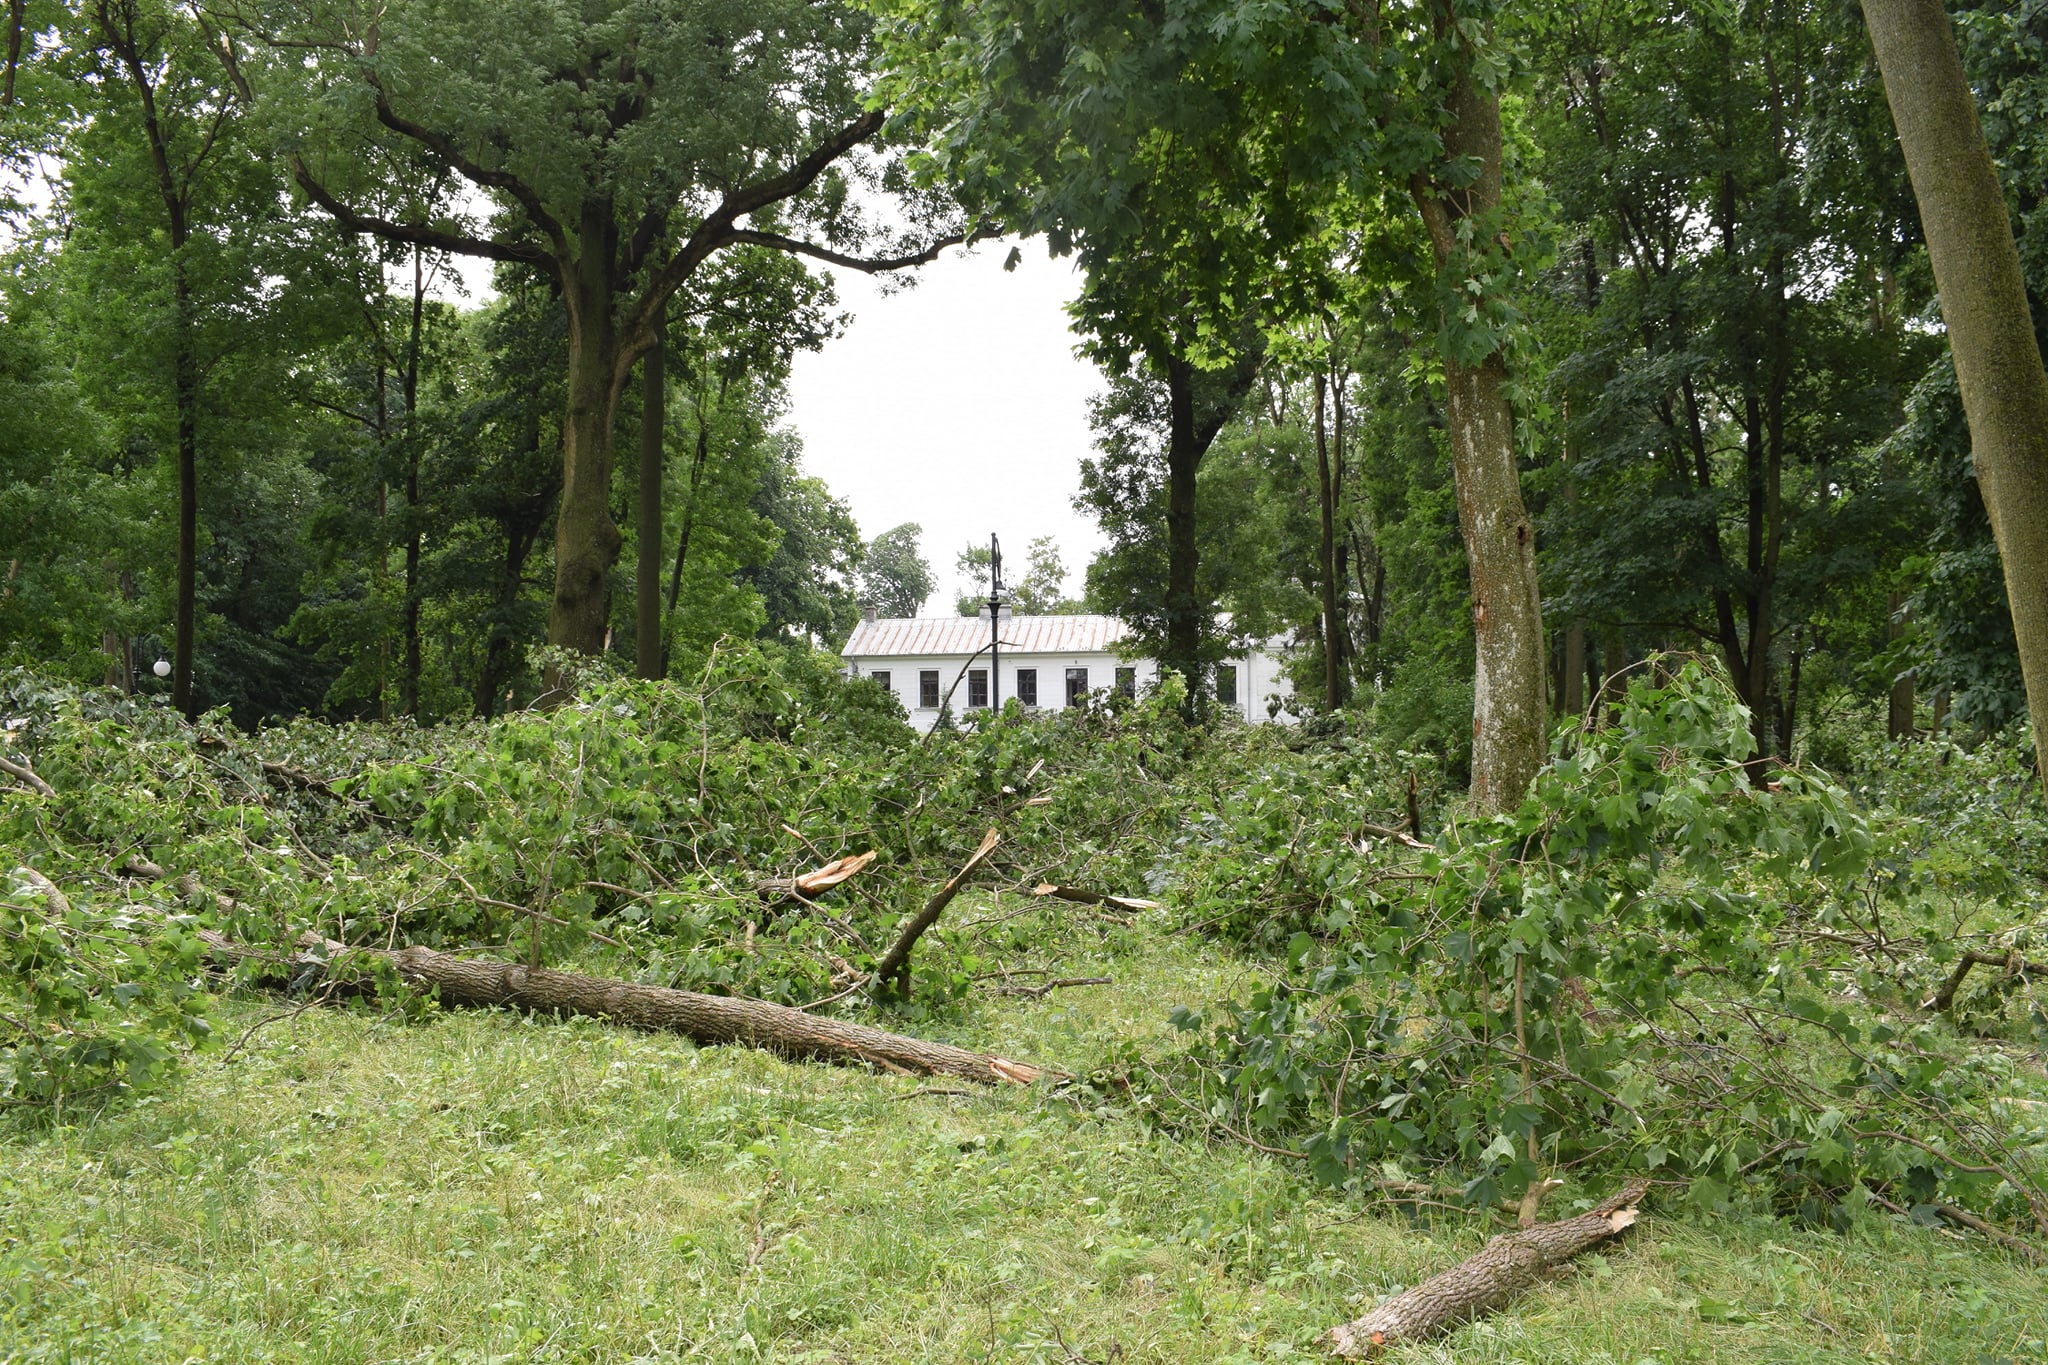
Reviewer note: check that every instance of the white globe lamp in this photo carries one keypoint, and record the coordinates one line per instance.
(162, 668)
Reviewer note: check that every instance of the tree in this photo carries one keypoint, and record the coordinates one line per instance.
(806, 581)
(1984, 302)
(895, 579)
(621, 146)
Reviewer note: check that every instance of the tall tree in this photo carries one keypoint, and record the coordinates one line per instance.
(621, 145)
(895, 578)
(1984, 302)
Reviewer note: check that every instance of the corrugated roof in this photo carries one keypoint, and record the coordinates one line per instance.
(939, 636)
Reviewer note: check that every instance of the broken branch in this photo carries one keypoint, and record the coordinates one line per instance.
(895, 964)
(1503, 1268)
(24, 774)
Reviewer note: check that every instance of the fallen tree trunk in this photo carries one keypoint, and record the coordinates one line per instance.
(895, 964)
(1502, 1269)
(709, 1019)
(1082, 896)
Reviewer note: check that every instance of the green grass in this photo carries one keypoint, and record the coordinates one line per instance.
(486, 1187)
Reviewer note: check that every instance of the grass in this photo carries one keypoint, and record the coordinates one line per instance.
(492, 1188)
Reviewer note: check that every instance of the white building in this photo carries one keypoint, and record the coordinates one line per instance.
(1047, 662)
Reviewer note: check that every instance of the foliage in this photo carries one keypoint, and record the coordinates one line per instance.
(895, 578)
(1641, 966)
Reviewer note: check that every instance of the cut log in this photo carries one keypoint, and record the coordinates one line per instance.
(1503, 1268)
(894, 968)
(711, 1019)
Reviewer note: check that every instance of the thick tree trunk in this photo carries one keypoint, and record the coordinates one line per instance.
(1984, 303)
(1185, 628)
(1333, 619)
(711, 1019)
(587, 540)
(409, 621)
(1573, 700)
(1502, 1269)
(1509, 710)
(647, 564)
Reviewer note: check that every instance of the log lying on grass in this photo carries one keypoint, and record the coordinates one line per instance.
(1503, 1268)
(706, 1018)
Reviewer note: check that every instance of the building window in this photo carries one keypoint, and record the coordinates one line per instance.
(928, 689)
(1127, 682)
(1027, 686)
(977, 689)
(881, 678)
(1226, 684)
(1077, 685)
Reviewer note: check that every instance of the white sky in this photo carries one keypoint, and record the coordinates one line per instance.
(958, 404)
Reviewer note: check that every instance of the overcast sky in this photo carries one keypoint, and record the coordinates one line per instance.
(957, 404)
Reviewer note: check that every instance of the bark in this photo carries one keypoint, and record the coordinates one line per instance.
(1898, 721)
(1333, 583)
(26, 775)
(1185, 626)
(409, 381)
(710, 1019)
(1984, 303)
(1502, 1269)
(17, 11)
(1509, 708)
(587, 540)
(1573, 702)
(2013, 964)
(894, 966)
(647, 565)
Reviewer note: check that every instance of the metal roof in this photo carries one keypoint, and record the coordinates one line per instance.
(939, 636)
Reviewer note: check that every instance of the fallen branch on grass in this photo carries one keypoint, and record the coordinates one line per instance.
(1502, 1269)
(1039, 992)
(1367, 829)
(894, 968)
(711, 1019)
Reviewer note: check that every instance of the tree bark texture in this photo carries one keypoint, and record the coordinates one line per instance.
(647, 565)
(409, 692)
(1983, 301)
(587, 540)
(710, 1019)
(1502, 1269)
(1508, 704)
(1333, 583)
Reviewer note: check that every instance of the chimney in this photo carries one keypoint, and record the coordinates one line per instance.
(867, 613)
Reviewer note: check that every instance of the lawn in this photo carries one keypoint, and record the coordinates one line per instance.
(350, 1187)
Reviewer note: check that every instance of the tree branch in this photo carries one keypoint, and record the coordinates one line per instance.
(414, 234)
(869, 265)
(444, 147)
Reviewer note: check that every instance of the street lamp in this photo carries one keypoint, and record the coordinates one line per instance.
(995, 624)
(162, 668)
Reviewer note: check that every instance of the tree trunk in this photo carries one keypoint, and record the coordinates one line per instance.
(587, 540)
(1333, 622)
(647, 564)
(1508, 713)
(711, 1019)
(1185, 628)
(1502, 1269)
(1983, 301)
(1898, 721)
(409, 628)
(1573, 702)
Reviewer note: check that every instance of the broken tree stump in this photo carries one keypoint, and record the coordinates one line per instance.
(1503, 1268)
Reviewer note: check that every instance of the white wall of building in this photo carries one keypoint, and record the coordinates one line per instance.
(1258, 680)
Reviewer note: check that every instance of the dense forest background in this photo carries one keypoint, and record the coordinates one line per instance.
(1737, 424)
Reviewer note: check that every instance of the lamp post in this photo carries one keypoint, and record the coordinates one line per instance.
(995, 624)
